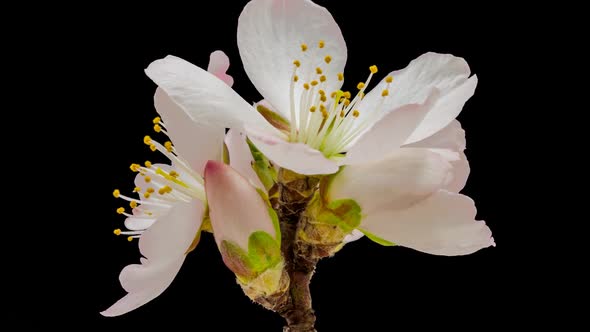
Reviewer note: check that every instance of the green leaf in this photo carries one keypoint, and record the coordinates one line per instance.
(262, 167)
(377, 239)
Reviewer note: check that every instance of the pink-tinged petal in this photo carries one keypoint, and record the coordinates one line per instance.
(270, 34)
(144, 282)
(452, 137)
(443, 224)
(446, 109)
(171, 235)
(218, 65)
(205, 98)
(389, 133)
(235, 207)
(240, 157)
(297, 157)
(137, 223)
(196, 143)
(413, 84)
(405, 177)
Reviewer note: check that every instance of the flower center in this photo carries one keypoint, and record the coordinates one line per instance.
(329, 122)
(163, 186)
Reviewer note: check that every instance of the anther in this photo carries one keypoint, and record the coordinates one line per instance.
(373, 69)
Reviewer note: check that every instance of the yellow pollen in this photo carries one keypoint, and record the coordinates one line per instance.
(312, 109)
(133, 204)
(297, 63)
(116, 193)
(389, 79)
(130, 238)
(303, 47)
(340, 77)
(346, 102)
(148, 164)
(157, 120)
(322, 92)
(173, 174)
(306, 86)
(347, 95)
(153, 147)
(295, 78)
(150, 190)
(323, 78)
(147, 140)
(117, 231)
(325, 115)
(314, 83)
(322, 108)
(157, 128)
(321, 44)
(121, 210)
(147, 179)
(342, 114)
(360, 85)
(318, 70)
(323, 98)
(136, 189)
(134, 167)
(328, 59)
(385, 93)
(147, 195)
(373, 69)
(168, 146)
(164, 190)
(356, 113)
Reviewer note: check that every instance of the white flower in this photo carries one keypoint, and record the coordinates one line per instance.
(168, 214)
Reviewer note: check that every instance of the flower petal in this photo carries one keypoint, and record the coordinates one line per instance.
(205, 98)
(443, 224)
(452, 137)
(144, 282)
(297, 157)
(405, 177)
(235, 207)
(389, 133)
(171, 235)
(355, 235)
(196, 143)
(218, 65)
(270, 34)
(240, 156)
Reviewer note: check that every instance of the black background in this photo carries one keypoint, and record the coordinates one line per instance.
(365, 287)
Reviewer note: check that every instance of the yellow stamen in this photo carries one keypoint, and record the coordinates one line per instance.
(346, 102)
(117, 231)
(297, 63)
(322, 92)
(116, 193)
(173, 174)
(385, 93)
(134, 167)
(318, 70)
(347, 94)
(153, 147)
(389, 79)
(360, 85)
(136, 189)
(306, 86)
(130, 238)
(333, 94)
(147, 195)
(148, 164)
(295, 78)
(340, 77)
(342, 114)
(323, 78)
(157, 120)
(121, 210)
(164, 190)
(150, 190)
(147, 140)
(322, 108)
(147, 179)
(168, 146)
(361, 94)
(356, 113)
(312, 109)
(328, 59)
(373, 69)
(321, 44)
(303, 47)
(323, 98)
(314, 83)
(133, 204)
(157, 128)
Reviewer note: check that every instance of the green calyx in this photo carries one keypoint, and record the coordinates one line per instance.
(345, 213)
(377, 239)
(262, 167)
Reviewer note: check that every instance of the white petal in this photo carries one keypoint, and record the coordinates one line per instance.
(389, 133)
(297, 157)
(218, 65)
(413, 84)
(355, 235)
(443, 224)
(137, 224)
(270, 33)
(144, 283)
(235, 207)
(240, 156)
(445, 110)
(452, 137)
(402, 179)
(171, 235)
(205, 98)
(196, 143)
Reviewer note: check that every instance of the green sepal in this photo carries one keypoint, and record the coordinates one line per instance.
(262, 167)
(272, 213)
(346, 213)
(377, 239)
